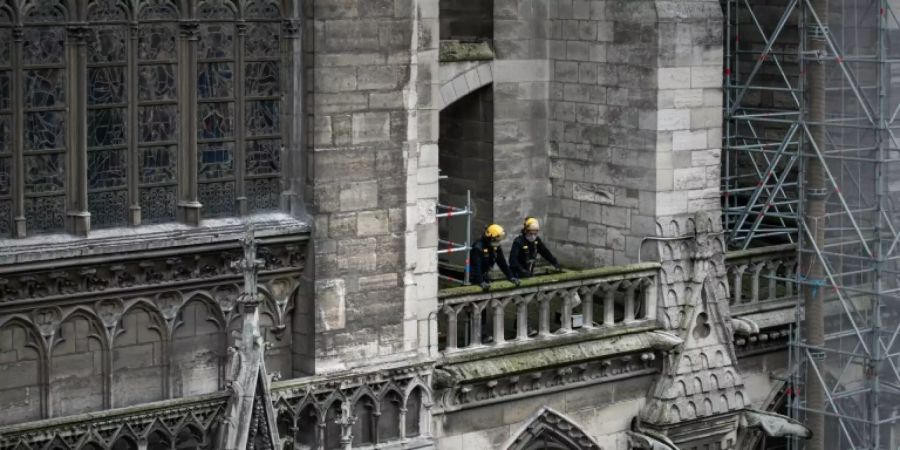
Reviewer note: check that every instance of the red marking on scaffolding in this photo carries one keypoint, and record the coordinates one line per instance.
(727, 71)
(837, 189)
(881, 12)
(737, 39)
(839, 59)
(449, 213)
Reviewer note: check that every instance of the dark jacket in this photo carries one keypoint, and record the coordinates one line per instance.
(482, 257)
(523, 254)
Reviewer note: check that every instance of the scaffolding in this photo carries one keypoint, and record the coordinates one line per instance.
(448, 246)
(811, 157)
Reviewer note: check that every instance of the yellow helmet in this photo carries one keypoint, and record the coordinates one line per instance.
(531, 224)
(494, 232)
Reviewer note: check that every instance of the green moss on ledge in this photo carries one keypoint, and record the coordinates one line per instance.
(456, 51)
(552, 278)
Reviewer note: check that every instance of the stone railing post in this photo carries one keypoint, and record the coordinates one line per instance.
(566, 313)
(587, 306)
(522, 317)
(475, 331)
(754, 285)
(630, 287)
(452, 318)
(609, 299)
(737, 285)
(499, 325)
(544, 316)
(649, 298)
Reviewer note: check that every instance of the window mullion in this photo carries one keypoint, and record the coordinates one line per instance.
(292, 113)
(239, 145)
(18, 135)
(188, 202)
(78, 218)
(133, 158)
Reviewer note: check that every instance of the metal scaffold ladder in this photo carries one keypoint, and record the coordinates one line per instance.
(447, 246)
(811, 156)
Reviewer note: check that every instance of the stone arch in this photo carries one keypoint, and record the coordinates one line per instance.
(549, 426)
(333, 424)
(139, 356)
(389, 416)
(461, 79)
(198, 348)
(365, 410)
(307, 423)
(21, 388)
(416, 401)
(77, 363)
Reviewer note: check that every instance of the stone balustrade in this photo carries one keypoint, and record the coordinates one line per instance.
(761, 275)
(547, 306)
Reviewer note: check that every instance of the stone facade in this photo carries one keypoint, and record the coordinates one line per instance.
(600, 117)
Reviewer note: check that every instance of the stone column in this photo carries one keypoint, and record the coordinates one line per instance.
(188, 199)
(78, 219)
(370, 198)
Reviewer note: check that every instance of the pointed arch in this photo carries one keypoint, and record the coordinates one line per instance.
(77, 364)
(139, 356)
(550, 427)
(389, 416)
(198, 346)
(365, 410)
(21, 375)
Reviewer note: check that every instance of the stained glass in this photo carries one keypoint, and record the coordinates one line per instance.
(262, 9)
(263, 194)
(158, 165)
(261, 79)
(215, 9)
(44, 130)
(5, 216)
(4, 90)
(5, 46)
(263, 157)
(108, 208)
(106, 85)
(218, 199)
(46, 11)
(214, 80)
(157, 82)
(158, 204)
(263, 40)
(262, 117)
(44, 88)
(45, 213)
(216, 120)
(5, 134)
(107, 168)
(107, 10)
(158, 123)
(216, 160)
(156, 42)
(217, 41)
(107, 45)
(106, 127)
(5, 176)
(44, 173)
(43, 45)
(158, 9)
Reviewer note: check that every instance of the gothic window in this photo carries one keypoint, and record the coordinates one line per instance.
(157, 140)
(105, 132)
(44, 134)
(6, 43)
(262, 108)
(107, 113)
(216, 108)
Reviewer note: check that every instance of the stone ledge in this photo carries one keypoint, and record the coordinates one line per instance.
(542, 280)
(456, 51)
(470, 367)
(163, 237)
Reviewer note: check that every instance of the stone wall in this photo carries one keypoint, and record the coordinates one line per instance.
(467, 19)
(369, 90)
(604, 81)
(521, 75)
(467, 162)
(603, 410)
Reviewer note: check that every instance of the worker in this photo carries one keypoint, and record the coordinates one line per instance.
(485, 253)
(526, 248)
